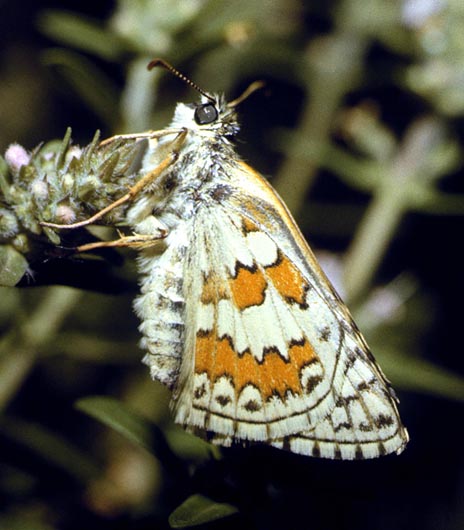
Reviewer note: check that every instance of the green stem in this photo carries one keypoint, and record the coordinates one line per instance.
(394, 196)
(21, 346)
(371, 241)
(139, 96)
(334, 63)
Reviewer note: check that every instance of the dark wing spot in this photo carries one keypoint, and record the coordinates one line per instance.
(384, 421)
(344, 401)
(176, 305)
(312, 383)
(170, 182)
(351, 359)
(199, 392)
(220, 192)
(366, 427)
(325, 334)
(286, 445)
(344, 425)
(252, 406)
(223, 400)
(269, 350)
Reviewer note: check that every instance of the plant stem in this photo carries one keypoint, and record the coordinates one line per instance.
(139, 96)
(21, 346)
(394, 196)
(333, 66)
(371, 241)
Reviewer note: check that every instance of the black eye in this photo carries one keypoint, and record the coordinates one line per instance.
(206, 113)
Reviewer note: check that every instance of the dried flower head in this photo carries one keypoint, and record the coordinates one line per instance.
(17, 157)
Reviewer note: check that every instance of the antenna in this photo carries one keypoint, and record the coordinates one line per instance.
(161, 62)
(256, 85)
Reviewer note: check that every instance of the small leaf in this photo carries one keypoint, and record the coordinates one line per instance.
(52, 235)
(190, 447)
(13, 265)
(4, 180)
(134, 427)
(438, 203)
(50, 447)
(61, 156)
(78, 32)
(420, 375)
(23, 521)
(197, 510)
(91, 148)
(116, 415)
(92, 85)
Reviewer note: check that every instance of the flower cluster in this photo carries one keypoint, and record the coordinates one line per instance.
(61, 183)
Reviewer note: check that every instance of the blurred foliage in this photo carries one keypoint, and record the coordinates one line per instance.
(362, 127)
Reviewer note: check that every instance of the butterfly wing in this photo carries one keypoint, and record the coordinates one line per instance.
(271, 353)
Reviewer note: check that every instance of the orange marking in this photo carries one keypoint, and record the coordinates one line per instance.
(273, 375)
(249, 226)
(226, 358)
(302, 354)
(248, 288)
(204, 352)
(287, 279)
(254, 210)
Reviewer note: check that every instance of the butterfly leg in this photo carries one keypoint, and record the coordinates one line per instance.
(147, 234)
(137, 241)
(149, 135)
(147, 179)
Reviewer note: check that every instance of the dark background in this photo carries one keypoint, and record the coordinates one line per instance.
(423, 488)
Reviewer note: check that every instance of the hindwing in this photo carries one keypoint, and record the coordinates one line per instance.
(271, 353)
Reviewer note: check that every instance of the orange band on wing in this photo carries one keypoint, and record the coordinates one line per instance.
(274, 375)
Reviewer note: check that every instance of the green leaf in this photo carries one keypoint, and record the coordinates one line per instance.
(118, 416)
(81, 33)
(436, 202)
(94, 87)
(173, 442)
(190, 447)
(64, 146)
(50, 447)
(197, 510)
(23, 521)
(4, 179)
(419, 375)
(13, 265)
(16, 481)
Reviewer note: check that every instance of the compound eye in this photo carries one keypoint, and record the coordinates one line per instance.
(206, 113)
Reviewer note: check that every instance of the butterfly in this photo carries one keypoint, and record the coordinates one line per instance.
(237, 317)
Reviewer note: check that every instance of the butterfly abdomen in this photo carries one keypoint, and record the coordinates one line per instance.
(160, 307)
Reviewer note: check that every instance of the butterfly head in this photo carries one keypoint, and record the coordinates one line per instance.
(210, 117)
